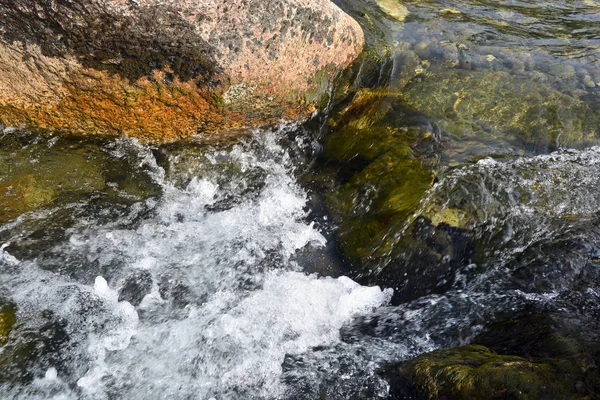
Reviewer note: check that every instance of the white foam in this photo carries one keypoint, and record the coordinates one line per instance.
(240, 350)
(114, 337)
(249, 305)
(5, 257)
(51, 374)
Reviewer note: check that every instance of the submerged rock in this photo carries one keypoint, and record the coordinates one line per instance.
(394, 9)
(381, 181)
(7, 321)
(383, 156)
(474, 372)
(399, 230)
(498, 104)
(39, 171)
(135, 287)
(163, 71)
(35, 173)
(50, 183)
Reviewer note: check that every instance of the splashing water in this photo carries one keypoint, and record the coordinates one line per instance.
(197, 290)
(194, 293)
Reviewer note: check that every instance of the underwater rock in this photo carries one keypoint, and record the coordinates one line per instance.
(495, 103)
(379, 153)
(161, 71)
(394, 9)
(381, 179)
(48, 174)
(27, 185)
(21, 195)
(7, 321)
(399, 230)
(475, 372)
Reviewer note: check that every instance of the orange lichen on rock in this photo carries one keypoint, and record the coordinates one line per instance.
(152, 110)
(99, 103)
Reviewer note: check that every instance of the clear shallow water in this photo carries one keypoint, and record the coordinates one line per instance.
(507, 78)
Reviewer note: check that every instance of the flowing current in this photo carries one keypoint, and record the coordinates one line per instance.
(218, 278)
(218, 297)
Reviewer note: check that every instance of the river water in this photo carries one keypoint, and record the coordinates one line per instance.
(190, 271)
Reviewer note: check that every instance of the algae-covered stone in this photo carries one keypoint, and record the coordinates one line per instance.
(41, 170)
(475, 372)
(383, 179)
(480, 103)
(7, 321)
(20, 195)
(394, 9)
(396, 228)
(375, 200)
(381, 154)
(33, 175)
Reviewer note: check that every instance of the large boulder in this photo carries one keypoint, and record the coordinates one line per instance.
(163, 70)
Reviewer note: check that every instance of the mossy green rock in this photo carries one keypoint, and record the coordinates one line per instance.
(475, 372)
(34, 174)
(39, 171)
(7, 321)
(374, 201)
(478, 103)
(382, 179)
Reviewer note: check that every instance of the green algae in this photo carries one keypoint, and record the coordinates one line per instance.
(376, 200)
(385, 179)
(42, 171)
(475, 372)
(7, 321)
(27, 184)
(394, 9)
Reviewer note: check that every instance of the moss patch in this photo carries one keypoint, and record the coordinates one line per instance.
(7, 321)
(382, 180)
(475, 372)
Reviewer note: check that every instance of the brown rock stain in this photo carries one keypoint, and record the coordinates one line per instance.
(103, 104)
(152, 110)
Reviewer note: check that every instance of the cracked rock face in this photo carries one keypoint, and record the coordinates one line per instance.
(158, 70)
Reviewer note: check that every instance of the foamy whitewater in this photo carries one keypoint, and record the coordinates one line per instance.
(226, 300)
(200, 287)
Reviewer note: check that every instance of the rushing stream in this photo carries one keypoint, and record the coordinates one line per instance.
(452, 198)
(195, 291)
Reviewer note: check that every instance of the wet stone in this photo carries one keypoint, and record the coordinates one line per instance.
(136, 287)
(477, 372)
